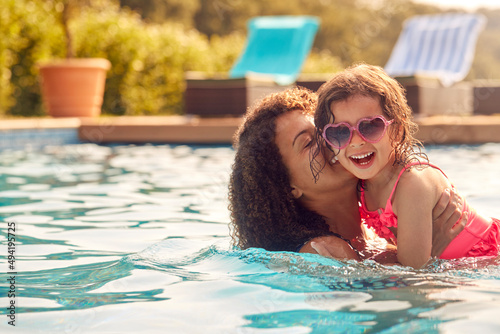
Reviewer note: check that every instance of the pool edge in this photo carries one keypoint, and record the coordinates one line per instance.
(475, 129)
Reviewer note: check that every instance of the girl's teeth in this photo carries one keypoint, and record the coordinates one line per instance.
(361, 156)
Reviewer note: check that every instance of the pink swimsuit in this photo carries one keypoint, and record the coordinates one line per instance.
(479, 238)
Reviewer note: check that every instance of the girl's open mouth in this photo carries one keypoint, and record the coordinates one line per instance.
(363, 160)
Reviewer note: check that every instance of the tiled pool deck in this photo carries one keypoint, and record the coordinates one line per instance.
(39, 132)
(35, 133)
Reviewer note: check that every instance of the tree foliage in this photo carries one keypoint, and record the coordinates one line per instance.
(352, 30)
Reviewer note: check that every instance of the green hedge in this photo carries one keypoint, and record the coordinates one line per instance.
(27, 34)
(148, 61)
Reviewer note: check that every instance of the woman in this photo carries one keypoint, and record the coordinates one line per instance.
(276, 203)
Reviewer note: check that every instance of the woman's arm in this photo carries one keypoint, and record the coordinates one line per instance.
(448, 220)
(331, 246)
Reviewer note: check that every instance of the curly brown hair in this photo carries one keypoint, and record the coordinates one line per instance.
(369, 80)
(264, 213)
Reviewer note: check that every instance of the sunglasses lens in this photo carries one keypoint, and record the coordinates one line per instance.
(373, 129)
(338, 136)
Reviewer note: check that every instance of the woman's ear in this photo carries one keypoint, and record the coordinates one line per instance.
(296, 192)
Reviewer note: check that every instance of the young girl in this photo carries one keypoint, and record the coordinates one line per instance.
(364, 117)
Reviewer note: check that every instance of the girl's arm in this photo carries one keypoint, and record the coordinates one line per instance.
(417, 193)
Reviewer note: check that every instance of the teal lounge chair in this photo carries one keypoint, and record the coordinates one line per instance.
(277, 46)
(276, 49)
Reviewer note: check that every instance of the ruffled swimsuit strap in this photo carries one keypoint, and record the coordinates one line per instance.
(388, 205)
(389, 200)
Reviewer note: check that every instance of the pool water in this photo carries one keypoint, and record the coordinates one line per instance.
(135, 238)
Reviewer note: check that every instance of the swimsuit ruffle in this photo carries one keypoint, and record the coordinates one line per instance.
(380, 223)
(489, 245)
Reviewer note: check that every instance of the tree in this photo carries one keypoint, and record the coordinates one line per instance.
(159, 11)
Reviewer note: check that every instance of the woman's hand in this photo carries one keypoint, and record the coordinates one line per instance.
(448, 220)
(331, 246)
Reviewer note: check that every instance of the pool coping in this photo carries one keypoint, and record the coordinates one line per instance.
(38, 123)
(475, 129)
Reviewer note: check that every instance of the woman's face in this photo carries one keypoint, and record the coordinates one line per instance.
(295, 140)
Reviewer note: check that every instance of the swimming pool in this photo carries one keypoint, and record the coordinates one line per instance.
(135, 238)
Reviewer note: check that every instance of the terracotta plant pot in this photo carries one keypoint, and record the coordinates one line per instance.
(74, 87)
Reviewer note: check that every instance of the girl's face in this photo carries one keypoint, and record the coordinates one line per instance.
(363, 159)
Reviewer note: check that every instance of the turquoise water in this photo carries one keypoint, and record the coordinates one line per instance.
(126, 239)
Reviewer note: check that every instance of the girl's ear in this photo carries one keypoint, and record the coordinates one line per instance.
(399, 134)
(296, 192)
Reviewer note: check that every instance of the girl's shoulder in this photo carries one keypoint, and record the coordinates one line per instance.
(419, 186)
(423, 177)
(422, 171)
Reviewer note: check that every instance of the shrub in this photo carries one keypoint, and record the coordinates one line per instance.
(149, 61)
(322, 62)
(28, 35)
